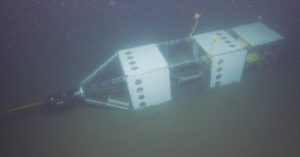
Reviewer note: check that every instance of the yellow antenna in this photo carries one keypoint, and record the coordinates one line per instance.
(197, 18)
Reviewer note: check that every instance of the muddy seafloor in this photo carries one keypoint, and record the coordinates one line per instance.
(257, 117)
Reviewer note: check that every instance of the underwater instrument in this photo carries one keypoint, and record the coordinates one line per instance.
(152, 74)
(148, 75)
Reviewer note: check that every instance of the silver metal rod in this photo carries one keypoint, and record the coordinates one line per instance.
(93, 74)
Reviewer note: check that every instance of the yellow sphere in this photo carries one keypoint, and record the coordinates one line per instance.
(197, 16)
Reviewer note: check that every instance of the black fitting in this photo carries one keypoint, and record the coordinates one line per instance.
(61, 100)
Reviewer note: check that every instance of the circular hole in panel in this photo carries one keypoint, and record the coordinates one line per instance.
(227, 41)
(134, 68)
(223, 38)
(128, 52)
(219, 69)
(143, 104)
(232, 45)
(219, 34)
(138, 82)
(217, 84)
(130, 57)
(218, 76)
(141, 97)
(221, 61)
(132, 62)
(139, 90)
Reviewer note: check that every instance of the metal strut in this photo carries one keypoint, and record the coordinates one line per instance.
(93, 74)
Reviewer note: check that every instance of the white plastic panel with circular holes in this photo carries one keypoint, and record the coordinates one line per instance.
(224, 44)
(227, 68)
(227, 56)
(148, 77)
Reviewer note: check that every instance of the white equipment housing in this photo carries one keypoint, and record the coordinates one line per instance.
(149, 75)
(257, 34)
(227, 55)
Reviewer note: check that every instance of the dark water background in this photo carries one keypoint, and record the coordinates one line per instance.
(50, 45)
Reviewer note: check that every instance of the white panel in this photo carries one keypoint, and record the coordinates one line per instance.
(225, 43)
(148, 78)
(227, 68)
(257, 34)
(154, 88)
(141, 59)
(227, 49)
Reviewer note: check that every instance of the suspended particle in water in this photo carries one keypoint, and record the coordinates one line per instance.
(259, 17)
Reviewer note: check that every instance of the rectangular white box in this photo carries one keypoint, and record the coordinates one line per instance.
(148, 76)
(256, 34)
(227, 68)
(226, 54)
